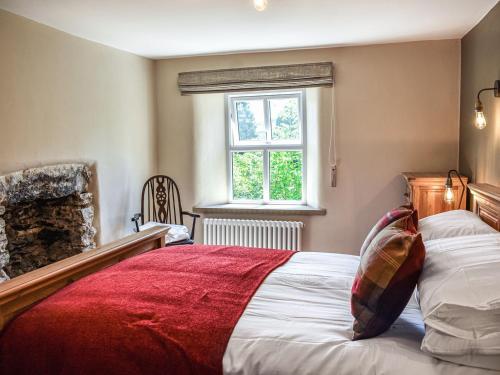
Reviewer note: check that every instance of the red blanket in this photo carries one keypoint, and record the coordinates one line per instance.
(170, 311)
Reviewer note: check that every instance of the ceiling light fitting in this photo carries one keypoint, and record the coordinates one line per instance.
(260, 5)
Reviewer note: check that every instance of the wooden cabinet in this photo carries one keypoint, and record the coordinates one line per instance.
(485, 202)
(426, 192)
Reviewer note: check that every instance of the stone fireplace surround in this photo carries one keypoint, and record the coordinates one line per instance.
(46, 214)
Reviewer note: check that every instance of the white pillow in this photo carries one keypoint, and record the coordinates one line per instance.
(460, 297)
(475, 353)
(452, 224)
(174, 234)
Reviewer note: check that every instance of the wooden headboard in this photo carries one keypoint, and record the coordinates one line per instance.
(485, 202)
(20, 293)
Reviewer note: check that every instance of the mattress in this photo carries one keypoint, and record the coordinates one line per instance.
(299, 322)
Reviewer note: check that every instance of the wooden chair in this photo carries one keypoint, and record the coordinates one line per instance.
(161, 203)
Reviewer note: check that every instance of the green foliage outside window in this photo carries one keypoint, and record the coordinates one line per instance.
(248, 175)
(247, 127)
(286, 125)
(285, 167)
(286, 175)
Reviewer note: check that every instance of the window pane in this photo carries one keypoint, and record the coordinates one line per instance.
(286, 175)
(248, 175)
(285, 119)
(250, 119)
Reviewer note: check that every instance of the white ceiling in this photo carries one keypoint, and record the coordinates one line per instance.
(168, 28)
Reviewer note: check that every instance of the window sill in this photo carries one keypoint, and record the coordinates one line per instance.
(274, 209)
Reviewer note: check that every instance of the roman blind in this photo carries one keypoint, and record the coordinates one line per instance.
(256, 78)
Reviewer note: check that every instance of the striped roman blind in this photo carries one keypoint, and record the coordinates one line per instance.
(256, 78)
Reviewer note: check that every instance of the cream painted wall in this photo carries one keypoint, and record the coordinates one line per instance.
(67, 99)
(209, 164)
(396, 107)
(210, 156)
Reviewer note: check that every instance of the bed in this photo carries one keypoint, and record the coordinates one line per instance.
(297, 322)
(311, 330)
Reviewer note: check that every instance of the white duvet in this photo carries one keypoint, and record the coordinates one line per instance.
(299, 322)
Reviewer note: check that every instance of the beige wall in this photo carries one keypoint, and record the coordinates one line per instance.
(480, 149)
(397, 110)
(67, 99)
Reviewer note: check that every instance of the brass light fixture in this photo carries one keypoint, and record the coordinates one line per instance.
(449, 196)
(480, 120)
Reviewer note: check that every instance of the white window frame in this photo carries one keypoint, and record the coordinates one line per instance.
(265, 146)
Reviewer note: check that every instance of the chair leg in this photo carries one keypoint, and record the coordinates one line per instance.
(193, 228)
(194, 216)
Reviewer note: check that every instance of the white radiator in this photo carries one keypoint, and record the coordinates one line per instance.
(285, 235)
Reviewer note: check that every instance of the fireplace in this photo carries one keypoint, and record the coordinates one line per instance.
(46, 214)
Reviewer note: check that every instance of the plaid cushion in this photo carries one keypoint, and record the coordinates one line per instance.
(388, 218)
(386, 277)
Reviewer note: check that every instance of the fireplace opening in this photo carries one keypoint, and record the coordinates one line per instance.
(46, 215)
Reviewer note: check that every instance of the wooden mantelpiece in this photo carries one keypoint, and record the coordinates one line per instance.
(485, 202)
(426, 192)
(20, 293)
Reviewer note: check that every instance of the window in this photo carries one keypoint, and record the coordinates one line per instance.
(267, 147)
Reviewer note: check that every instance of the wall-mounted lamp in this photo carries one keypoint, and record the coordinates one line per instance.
(260, 5)
(480, 121)
(449, 196)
